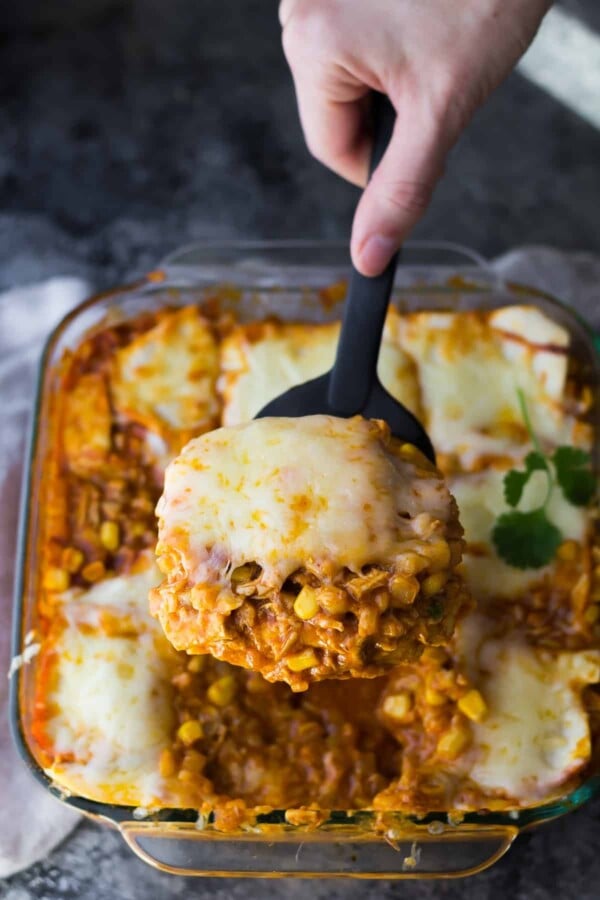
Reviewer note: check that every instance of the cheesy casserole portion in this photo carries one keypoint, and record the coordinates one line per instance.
(306, 549)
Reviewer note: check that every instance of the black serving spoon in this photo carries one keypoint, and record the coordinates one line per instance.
(352, 386)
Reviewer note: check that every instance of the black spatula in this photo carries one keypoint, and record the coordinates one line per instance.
(352, 386)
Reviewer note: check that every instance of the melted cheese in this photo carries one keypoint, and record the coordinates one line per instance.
(480, 499)
(165, 379)
(524, 332)
(470, 369)
(286, 493)
(262, 360)
(123, 595)
(113, 707)
(536, 733)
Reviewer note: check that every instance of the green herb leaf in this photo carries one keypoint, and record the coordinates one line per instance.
(535, 462)
(570, 457)
(515, 481)
(574, 475)
(529, 539)
(526, 539)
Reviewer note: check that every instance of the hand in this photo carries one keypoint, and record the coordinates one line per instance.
(437, 60)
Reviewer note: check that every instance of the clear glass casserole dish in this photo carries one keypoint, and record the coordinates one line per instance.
(287, 280)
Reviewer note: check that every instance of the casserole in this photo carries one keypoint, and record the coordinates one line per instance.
(292, 546)
(405, 836)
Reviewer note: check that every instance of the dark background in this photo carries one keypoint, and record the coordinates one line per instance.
(129, 128)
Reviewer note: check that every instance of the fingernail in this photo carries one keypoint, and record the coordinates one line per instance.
(375, 254)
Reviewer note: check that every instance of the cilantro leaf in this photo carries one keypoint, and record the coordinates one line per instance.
(529, 539)
(574, 475)
(535, 462)
(526, 539)
(515, 481)
(570, 457)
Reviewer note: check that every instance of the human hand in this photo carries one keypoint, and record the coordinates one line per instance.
(437, 60)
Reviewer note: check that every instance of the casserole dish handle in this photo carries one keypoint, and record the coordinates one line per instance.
(410, 851)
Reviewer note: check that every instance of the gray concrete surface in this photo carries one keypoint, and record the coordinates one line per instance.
(128, 128)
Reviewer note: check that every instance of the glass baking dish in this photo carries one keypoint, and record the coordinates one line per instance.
(287, 279)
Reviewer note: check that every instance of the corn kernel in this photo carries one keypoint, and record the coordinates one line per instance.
(298, 662)
(166, 764)
(222, 691)
(72, 559)
(93, 571)
(56, 580)
(244, 574)
(439, 554)
(410, 563)
(568, 551)
(190, 732)
(403, 590)
(381, 599)
(196, 664)
(454, 741)
(433, 584)
(185, 775)
(306, 604)
(109, 536)
(473, 706)
(368, 621)
(434, 698)
(409, 451)
(397, 706)
(333, 600)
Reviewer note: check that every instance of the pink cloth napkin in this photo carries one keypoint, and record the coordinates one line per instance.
(31, 821)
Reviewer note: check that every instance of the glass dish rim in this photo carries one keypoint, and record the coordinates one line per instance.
(162, 277)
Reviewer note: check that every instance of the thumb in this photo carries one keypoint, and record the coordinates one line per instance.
(398, 193)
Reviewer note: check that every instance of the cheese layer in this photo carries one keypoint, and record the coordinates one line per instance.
(112, 697)
(536, 731)
(291, 493)
(262, 360)
(165, 378)
(470, 369)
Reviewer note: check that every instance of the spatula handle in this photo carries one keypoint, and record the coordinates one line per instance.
(384, 119)
(355, 368)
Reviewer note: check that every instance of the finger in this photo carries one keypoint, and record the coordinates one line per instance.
(336, 132)
(285, 11)
(398, 193)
